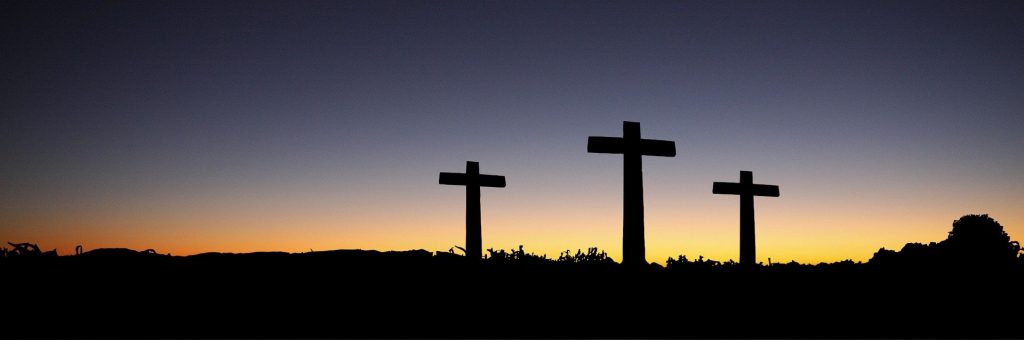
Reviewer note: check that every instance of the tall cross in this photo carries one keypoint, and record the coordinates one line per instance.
(631, 146)
(747, 190)
(472, 180)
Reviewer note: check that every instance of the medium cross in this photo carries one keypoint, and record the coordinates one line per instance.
(631, 146)
(747, 190)
(472, 180)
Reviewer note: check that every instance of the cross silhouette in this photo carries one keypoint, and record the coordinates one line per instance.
(472, 180)
(747, 190)
(632, 147)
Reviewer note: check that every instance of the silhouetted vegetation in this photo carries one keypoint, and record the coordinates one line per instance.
(515, 293)
(592, 257)
(976, 243)
(682, 261)
(26, 249)
(518, 257)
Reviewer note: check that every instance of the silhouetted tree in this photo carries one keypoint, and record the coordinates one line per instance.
(975, 242)
(979, 240)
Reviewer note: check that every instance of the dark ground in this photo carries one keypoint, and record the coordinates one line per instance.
(349, 293)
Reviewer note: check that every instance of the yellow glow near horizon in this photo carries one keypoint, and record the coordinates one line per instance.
(709, 228)
(810, 223)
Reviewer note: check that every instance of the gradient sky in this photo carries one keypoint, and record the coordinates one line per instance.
(195, 126)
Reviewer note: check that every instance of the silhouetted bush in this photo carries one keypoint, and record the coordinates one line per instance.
(979, 239)
(592, 256)
(976, 242)
(681, 263)
(514, 257)
(26, 249)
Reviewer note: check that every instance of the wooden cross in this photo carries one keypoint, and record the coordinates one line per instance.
(747, 190)
(472, 180)
(632, 147)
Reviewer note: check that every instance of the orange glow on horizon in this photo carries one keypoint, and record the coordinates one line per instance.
(781, 235)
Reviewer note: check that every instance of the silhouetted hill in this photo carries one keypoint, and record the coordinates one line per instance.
(366, 293)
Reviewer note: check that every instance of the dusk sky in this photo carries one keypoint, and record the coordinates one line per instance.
(239, 126)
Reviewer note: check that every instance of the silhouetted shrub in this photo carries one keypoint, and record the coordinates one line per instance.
(592, 256)
(976, 242)
(514, 257)
(27, 249)
(979, 239)
(701, 264)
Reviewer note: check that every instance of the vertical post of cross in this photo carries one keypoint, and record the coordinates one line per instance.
(474, 242)
(633, 245)
(748, 245)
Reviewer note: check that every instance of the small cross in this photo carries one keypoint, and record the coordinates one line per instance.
(472, 180)
(747, 190)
